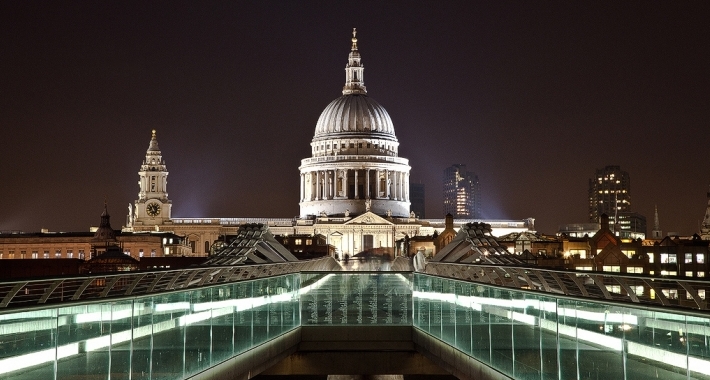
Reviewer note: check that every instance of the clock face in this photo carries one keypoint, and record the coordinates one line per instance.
(152, 209)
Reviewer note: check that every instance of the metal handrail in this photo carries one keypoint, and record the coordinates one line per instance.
(80, 288)
(638, 289)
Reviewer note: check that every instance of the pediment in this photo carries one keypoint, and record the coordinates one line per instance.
(369, 218)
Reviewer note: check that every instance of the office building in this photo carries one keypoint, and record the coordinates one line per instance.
(462, 193)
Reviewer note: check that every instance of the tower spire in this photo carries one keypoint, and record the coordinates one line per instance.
(656, 233)
(705, 227)
(354, 71)
(152, 206)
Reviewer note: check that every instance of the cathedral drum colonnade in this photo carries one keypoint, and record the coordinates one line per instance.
(354, 166)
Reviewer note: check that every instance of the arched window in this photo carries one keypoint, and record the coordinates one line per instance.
(207, 247)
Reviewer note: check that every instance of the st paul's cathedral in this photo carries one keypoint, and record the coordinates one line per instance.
(354, 189)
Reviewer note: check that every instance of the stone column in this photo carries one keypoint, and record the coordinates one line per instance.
(302, 186)
(400, 181)
(406, 187)
(387, 183)
(312, 187)
(345, 183)
(377, 185)
(395, 186)
(356, 195)
(329, 184)
(318, 186)
(367, 183)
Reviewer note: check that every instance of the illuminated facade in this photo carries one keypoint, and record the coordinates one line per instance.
(609, 193)
(462, 193)
(152, 206)
(354, 189)
(86, 245)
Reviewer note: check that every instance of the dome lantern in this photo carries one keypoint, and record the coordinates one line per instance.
(354, 71)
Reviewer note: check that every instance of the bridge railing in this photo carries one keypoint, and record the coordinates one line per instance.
(638, 289)
(155, 336)
(99, 286)
(531, 335)
(521, 333)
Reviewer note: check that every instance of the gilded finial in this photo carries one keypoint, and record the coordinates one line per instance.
(154, 133)
(354, 39)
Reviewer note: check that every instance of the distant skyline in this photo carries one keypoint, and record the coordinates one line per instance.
(532, 96)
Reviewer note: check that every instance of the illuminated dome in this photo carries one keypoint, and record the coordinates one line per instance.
(354, 166)
(352, 115)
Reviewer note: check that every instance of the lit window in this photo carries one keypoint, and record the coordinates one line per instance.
(700, 258)
(81, 254)
(614, 288)
(701, 293)
(152, 253)
(670, 293)
(634, 270)
(650, 258)
(309, 241)
(689, 273)
(70, 254)
(668, 258)
(701, 274)
(298, 242)
(688, 258)
(35, 255)
(611, 268)
(638, 290)
(58, 254)
(45, 254)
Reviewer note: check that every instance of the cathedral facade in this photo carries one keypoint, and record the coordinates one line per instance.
(354, 189)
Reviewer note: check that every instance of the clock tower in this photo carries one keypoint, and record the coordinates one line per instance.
(152, 206)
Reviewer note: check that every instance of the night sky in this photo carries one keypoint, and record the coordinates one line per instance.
(532, 96)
